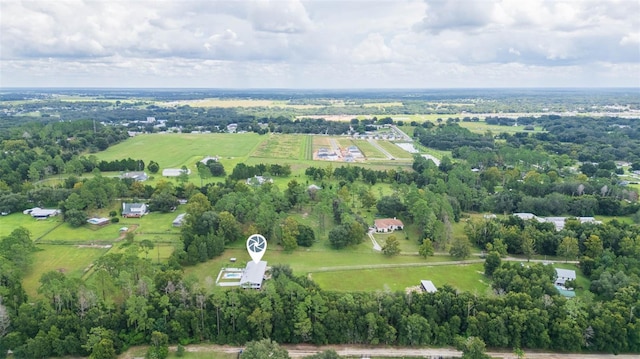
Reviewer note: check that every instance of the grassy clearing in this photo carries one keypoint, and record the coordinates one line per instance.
(37, 227)
(321, 141)
(66, 233)
(462, 277)
(367, 149)
(280, 146)
(395, 150)
(318, 258)
(482, 127)
(306, 153)
(70, 259)
(176, 150)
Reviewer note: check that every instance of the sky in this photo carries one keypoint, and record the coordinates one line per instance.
(346, 44)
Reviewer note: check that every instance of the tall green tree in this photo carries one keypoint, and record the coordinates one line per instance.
(262, 349)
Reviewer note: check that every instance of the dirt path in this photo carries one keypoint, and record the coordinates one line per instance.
(300, 351)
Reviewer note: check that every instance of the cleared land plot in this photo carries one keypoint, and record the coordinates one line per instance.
(320, 141)
(176, 150)
(394, 150)
(85, 234)
(463, 277)
(482, 127)
(37, 227)
(69, 259)
(160, 252)
(367, 149)
(280, 146)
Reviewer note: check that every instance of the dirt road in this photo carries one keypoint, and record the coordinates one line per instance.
(300, 351)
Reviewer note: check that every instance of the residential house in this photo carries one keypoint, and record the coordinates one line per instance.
(133, 210)
(564, 275)
(253, 275)
(138, 176)
(385, 225)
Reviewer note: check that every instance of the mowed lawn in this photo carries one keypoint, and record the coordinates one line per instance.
(69, 259)
(37, 228)
(315, 259)
(173, 150)
(464, 277)
(86, 233)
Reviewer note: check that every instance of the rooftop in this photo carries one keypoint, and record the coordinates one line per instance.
(253, 273)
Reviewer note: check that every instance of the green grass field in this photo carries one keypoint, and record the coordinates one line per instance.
(37, 227)
(176, 150)
(70, 259)
(281, 146)
(395, 150)
(462, 277)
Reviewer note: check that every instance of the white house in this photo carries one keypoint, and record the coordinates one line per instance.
(387, 225)
(428, 286)
(563, 275)
(253, 275)
(133, 210)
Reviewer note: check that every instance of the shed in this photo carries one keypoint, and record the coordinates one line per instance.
(428, 286)
(179, 219)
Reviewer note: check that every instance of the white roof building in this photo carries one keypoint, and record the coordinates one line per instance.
(564, 275)
(253, 275)
(428, 286)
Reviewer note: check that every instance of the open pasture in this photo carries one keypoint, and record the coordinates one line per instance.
(176, 150)
(37, 227)
(465, 277)
(65, 233)
(72, 260)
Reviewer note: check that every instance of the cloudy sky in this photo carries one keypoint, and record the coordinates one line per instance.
(320, 43)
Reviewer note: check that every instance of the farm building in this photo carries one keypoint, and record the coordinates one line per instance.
(253, 275)
(563, 275)
(174, 172)
(98, 221)
(134, 210)
(387, 225)
(428, 286)
(41, 213)
(138, 176)
(179, 219)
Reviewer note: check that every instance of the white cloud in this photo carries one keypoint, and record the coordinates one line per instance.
(319, 43)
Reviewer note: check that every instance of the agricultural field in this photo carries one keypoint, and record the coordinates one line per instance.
(293, 147)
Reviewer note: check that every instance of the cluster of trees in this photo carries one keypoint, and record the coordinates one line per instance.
(128, 164)
(149, 302)
(450, 136)
(242, 171)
